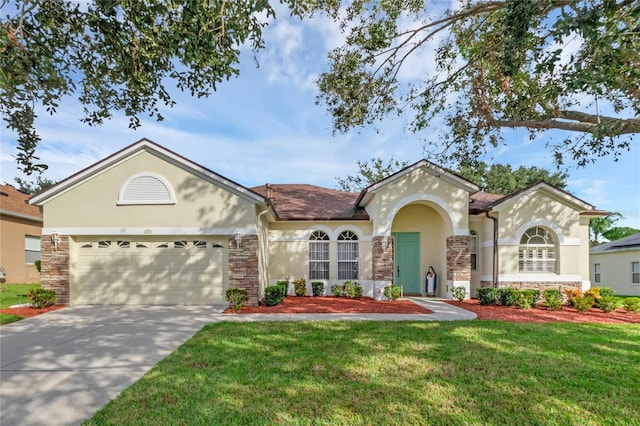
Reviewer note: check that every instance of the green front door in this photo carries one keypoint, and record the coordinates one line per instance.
(407, 261)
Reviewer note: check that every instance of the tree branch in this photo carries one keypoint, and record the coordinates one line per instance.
(578, 122)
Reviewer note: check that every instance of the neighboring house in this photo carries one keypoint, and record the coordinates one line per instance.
(616, 264)
(20, 230)
(148, 226)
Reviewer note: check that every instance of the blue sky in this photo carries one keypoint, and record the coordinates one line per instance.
(264, 126)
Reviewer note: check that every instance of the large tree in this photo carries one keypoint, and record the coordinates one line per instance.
(503, 179)
(495, 178)
(116, 55)
(488, 65)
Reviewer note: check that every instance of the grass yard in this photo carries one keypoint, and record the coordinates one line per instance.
(390, 373)
(9, 296)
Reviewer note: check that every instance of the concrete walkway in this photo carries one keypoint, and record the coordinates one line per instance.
(61, 367)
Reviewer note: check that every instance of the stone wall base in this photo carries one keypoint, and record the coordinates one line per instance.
(537, 285)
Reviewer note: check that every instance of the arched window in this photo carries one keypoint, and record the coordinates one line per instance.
(537, 252)
(318, 256)
(473, 249)
(146, 188)
(348, 256)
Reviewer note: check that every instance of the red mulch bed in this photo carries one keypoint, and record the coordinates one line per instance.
(335, 305)
(541, 314)
(30, 312)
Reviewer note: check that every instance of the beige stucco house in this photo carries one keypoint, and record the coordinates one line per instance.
(20, 229)
(616, 264)
(147, 226)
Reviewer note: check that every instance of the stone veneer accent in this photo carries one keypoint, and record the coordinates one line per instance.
(55, 267)
(243, 266)
(382, 259)
(536, 285)
(458, 258)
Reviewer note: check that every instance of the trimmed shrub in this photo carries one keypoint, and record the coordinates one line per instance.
(534, 293)
(274, 294)
(523, 299)
(606, 291)
(317, 288)
(583, 304)
(607, 303)
(354, 290)
(487, 295)
(631, 304)
(236, 297)
(285, 285)
(552, 299)
(505, 296)
(336, 290)
(392, 292)
(458, 293)
(300, 286)
(41, 298)
(38, 265)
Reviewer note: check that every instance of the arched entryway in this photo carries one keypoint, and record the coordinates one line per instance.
(420, 232)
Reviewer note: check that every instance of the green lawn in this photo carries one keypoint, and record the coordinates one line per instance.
(10, 296)
(386, 373)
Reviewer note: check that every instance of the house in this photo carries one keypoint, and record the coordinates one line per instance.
(20, 230)
(148, 226)
(616, 264)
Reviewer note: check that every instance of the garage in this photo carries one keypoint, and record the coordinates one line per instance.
(148, 270)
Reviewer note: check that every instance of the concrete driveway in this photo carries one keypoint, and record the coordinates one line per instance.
(61, 367)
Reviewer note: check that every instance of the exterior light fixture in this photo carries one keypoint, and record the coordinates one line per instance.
(385, 243)
(237, 238)
(55, 239)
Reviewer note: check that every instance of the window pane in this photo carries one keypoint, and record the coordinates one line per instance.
(31, 243)
(31, 256)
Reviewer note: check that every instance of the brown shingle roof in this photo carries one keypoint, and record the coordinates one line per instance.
(480, 201)
(14, 201)
(309, 202)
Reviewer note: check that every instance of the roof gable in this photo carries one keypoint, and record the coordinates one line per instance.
(145, 145)
(557, 194)
(367, 194)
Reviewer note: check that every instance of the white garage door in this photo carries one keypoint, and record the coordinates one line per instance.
(148, 271)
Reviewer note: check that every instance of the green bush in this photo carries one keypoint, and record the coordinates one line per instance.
(236, 297)
(607, 303)
(583, 304)
(523, 299)
(317, 288)
(534, 293)
(300, 287)
(284, 284)
(274, 295)
(336, 290)
(606, 291)
(552, 299)
(504, 296)
(354, 290)
(392, 292)
(458, 293)
(41, 298)
(632, 304)
(38, 265)
(487, 295)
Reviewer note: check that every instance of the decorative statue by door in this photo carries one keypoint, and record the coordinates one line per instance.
(431, 282)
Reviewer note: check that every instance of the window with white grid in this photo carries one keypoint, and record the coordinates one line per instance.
(537, 251)
(319, 256)
(473, 249)
(635, 272)
(596, 273)
(348, 256)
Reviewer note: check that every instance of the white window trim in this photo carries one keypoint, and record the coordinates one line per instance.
(310, 261)
(123, 202)
(631, 276)
(475, 250)
(351, 262)
(542, 261)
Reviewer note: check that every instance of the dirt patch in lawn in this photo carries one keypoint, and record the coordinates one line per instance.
(30, 312)
(541, 314)
(336, 305)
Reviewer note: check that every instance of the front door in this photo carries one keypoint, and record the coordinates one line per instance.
(407, 261)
